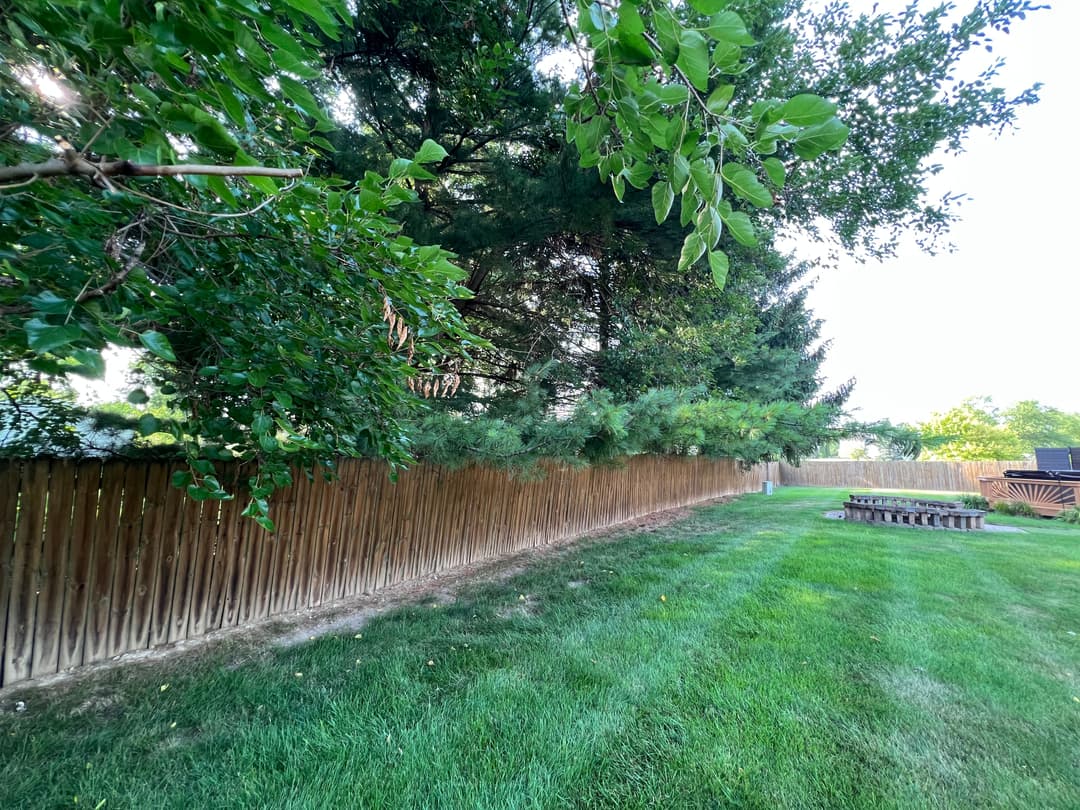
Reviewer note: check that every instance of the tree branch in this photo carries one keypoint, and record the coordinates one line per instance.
(75, 164)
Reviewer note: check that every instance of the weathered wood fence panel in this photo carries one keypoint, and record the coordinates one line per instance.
(98, 558)
(922, 476)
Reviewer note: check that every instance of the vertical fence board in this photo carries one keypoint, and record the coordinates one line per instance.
(26, 557)
(51, 573)
(298, 551)
(106, 527)
(240, 560)
(284, 513)
(206, 554)
(129, 539)
(259, 553)
(323, 588)
(368, 514)
(186, 569)
(225, 561)
(150, 553)
(170, 558)
(80, 564)
(10, 475)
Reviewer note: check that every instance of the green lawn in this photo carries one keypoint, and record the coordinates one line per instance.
(753, 655)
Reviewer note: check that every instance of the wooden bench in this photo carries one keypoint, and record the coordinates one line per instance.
(900, 511)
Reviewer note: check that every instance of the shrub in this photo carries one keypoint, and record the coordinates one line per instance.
(1015, 508)
(1070, 515)
(975, 502)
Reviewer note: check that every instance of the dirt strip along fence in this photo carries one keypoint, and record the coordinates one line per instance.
(98, 558)
(919, 476)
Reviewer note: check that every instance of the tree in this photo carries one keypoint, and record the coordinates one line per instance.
(1037, 425)
(286, 320)
(976, 429)
(972, 431)
(558, 267)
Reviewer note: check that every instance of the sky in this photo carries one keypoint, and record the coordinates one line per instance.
(1000, 316)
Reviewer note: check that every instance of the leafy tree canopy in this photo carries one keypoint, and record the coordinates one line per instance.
(977, 430)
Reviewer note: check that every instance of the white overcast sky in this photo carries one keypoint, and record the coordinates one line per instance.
(1001, 315)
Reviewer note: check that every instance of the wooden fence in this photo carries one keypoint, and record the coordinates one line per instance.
(103, 558)
(921, 476)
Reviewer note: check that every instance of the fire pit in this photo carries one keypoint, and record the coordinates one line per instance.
(912, 512)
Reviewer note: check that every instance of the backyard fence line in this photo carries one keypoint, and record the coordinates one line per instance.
(101, 558)
(926, 476)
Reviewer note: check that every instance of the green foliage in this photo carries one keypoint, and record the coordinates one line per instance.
(894, 442)
(971, 501)
(600, 430)
(284, 321)
(902, 81)
(1070, 516)
(654, 111)
(977, 430)
(1037, 425)
(1015, 509)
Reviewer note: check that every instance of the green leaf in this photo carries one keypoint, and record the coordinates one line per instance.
(693, 247)
(816, 140)
(673, 94)
(662, 199)
(158, 344)
(148, 424)
(718, 264)
(233, 106)
(727, 57)
(704, 175)
(719, 99)
(630, 21)
(288, 61)
(667, 30)
(91, 364)
(597, 16)
(680, 173)
(430, 152)
(708, 6)
(694, 58)
(746, 185)
(138, 397)
(618, 185)
(774, 168)
(181, 478)
(738, 224)
(49, 302)
(316, 10)
(729, 27)
(301, 97)
(806, 110)
(688, 205)
(42, 337)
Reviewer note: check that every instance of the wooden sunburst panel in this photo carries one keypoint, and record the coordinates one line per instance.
(1045, 497)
